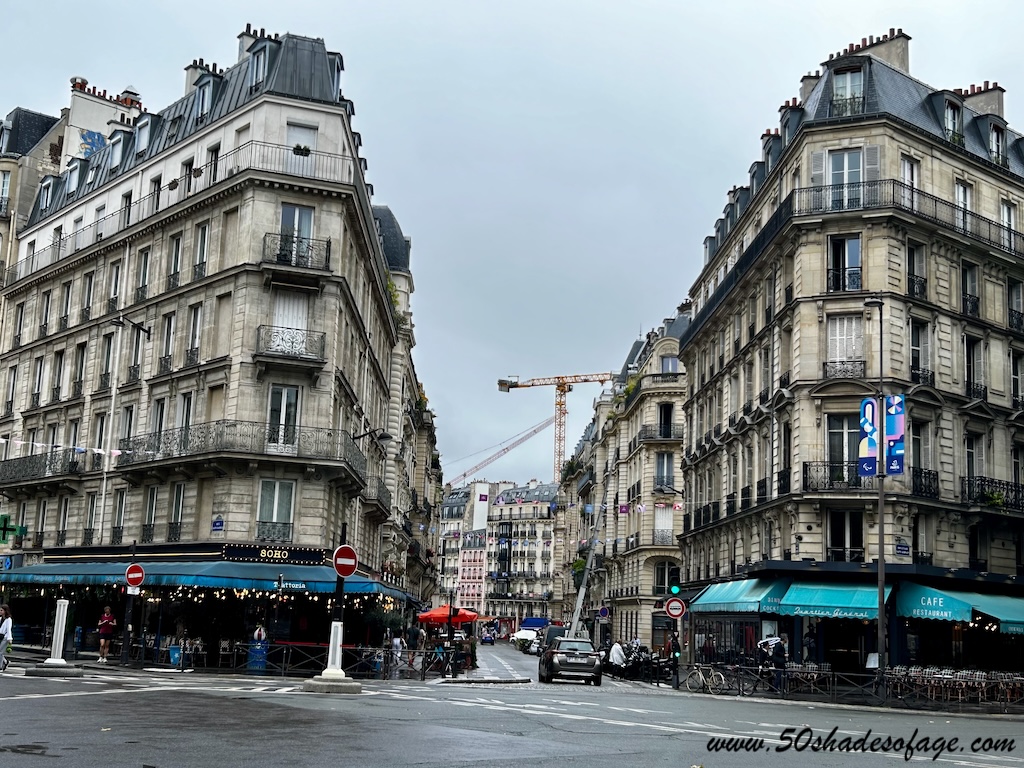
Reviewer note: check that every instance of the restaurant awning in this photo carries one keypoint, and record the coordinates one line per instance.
(832, 601)
(217, 573)
(743, 596)
(920, 602)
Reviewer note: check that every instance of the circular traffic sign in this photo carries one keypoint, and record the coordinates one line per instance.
(675, 608)
(135, 574)
(345, 560)
(603, 612)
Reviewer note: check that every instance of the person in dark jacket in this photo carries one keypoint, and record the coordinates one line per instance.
(780, 655)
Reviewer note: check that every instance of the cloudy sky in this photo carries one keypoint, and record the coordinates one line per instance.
(557, 163)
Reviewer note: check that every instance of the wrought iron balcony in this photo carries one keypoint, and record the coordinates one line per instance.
(117, 534)
(242, 437)
(989, 492)
(16, 341)
(87, 536)
(33, 400)
(762, 490)
(63, 322)
(44, 329)
(40, 466)
(845, 554)
(976, 391)
(297, 343)
(785, 380)
(854, 105)
(924, 483)
(199, 270)
(77, 388)
(663, 537)
(730, 504)
(163, 364)
(174, 530)
(834, 476)
(661, 432)
(62, 538)
(55, 394)
(845, 369)
(375, 490)
(783, 478)
(9, 408)
(192, 356)
(269, 531)
(745, 496)
(748, 407)
(105, 380)
(789, 294)
(1018, 402)
(112, 304)
(134, 373)
(290, 250)
(37, 539)
(83, 314)
(954, 137)
(922, 376)
(173, 280)
(147, 532)
(762, 396)
(970, 305)
(141, 292)
(1015, 320)
(922, 558)
(917, 287)
(848, 279)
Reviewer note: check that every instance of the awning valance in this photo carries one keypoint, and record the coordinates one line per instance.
(743, 596)
(920, 602)
(832, 601)
(216, 573)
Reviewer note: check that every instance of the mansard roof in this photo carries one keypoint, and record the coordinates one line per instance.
(396, 245)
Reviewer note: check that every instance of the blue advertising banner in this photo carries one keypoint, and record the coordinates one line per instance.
(895, 425)
(867, 451)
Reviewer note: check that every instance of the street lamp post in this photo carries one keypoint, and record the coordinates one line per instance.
(877, 304)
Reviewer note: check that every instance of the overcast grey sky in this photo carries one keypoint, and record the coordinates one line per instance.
(556, 163)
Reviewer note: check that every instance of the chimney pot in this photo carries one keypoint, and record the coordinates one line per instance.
(892, 31)
(863, 41)
(831, 56)
(201, 61)
(995, 84)
(899, 31)
(248, 29)
(871, 39)
(986, 85)
(263, 32)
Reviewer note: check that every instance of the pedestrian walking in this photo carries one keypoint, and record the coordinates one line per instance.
(412, 643)
(675, 651)
(107, 624)
(780, 655)
(6, 630)
(617, 658)
(397, 646)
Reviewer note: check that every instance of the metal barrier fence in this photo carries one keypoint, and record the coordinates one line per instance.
(357, 662)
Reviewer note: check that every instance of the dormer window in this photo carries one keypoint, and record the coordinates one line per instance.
(116, 147)
(954, 123)
(90, 175)
(4, 134)
(847, 93)
(204, 100)
(142, 137)
(257, 69)
(72, 186)
(336, 82)
(997, 145)
(45, 195)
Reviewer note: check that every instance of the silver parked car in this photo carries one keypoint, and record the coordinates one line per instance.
(570, 657)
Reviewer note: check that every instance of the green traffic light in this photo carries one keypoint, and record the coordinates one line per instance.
(674, 589)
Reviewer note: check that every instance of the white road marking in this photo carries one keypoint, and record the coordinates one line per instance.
(574, 703)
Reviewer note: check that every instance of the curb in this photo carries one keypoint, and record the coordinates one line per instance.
(484, 680)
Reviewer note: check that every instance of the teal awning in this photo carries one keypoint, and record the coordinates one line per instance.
(743, 596)
(215, 573)
(920, 602)
(832, 601)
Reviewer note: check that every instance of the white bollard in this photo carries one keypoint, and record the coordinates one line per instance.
(59, 625)
(335, 667)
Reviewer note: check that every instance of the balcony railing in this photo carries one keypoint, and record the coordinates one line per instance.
(33, 400)
(782, 480)
(76, 388)
(192, 356)
(270, 531)
(1017, 400)
(134, 373)
(762, 490)
(1015, 319)
(253, 155)
(291, 342)
(117, 534)
(87, 536)
(247, 437)
(970, 305)
(834, 476)
(845, 369)
(4, 205)
(42, 465)
(44, 329)
(845, 554)
(199, 270)
(924, 483)
(294, 251)
(922, 558)
(62, 538)
(976, 391)
(147, 533)
(173, 280)
(63, 322)
(105, 380)
(141, 293)
(661, 432)
(730, 504)
(785, 380)
(163, 365)
(922, 376)
(917, 287)
(376, 491)
(854, 105)
(55, 394)
(844, 279)
(37, 539)
(745, 495)
(664, 481)
(174, 531)
(989, 492)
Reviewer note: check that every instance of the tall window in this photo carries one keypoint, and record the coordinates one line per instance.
(970, 301)
(664, 467)
(848, 93)
(152, 499)
(962, 195)
(920, 354)
(174, 260)
(65, 305)
(843, 435)
(917, 270)
(1017, 380)
(974, 454)
(108, 352)
(178, 502)
(142, 137)
(296, 232)
(168, 340)
(846, 535)
(276, 501)
(845, 178)
(44, 313)
(141, 273)
(202, 242)
(953, 123)
(58, 374)
(283, 417)
(115, 285)
(204, 100)
(910, 174)
(997, 144)
(669, 364)
(195, 328)
(921, 444)
(257, 68)
(845, 347)
(1008, 220)
(974, 365)
(844, 267)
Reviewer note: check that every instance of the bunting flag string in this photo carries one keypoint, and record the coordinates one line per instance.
(623, 509)
(641, 508)
(677, 506)
(76, 448)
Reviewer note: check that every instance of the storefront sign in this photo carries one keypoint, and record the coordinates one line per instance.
(826, 612)
(284, 554)
(932, 607)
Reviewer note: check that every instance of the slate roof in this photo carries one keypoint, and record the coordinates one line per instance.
(678, 326)
(543, 492)
(297, 67)
(396, 245)
(27, 128)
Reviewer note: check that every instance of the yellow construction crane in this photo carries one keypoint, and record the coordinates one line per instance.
(562, 385)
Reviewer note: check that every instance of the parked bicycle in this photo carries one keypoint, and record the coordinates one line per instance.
(704, 677)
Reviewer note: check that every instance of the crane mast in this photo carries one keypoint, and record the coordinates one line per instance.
(495, 456)
(562, 385)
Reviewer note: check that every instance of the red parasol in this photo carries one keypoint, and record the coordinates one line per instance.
(439, 615)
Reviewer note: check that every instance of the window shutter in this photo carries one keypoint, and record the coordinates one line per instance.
(979, 455)
(872, 162)
(833, 338)
(663, 518)
(817, 169)
(856, 336)
(979, 362)
(926, 355)
(925, 459)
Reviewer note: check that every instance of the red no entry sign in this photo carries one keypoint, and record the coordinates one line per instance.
(135, 574)
(675, 608)
(345, 560)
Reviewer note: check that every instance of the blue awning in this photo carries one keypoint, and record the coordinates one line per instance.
(832, 601)
(920, 602)
(534, 622)
(743, 596)
(215, 573)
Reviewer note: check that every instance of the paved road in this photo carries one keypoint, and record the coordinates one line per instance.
(112, 719)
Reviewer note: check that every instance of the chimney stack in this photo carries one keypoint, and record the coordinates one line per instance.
(192, 73)
(986, 100)
(245, 40)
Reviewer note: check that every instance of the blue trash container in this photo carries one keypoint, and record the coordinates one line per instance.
(174, 652)
(257, 659)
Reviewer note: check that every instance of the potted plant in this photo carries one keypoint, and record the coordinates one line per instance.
(197, 172)
(301, 150)
(172, 184)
